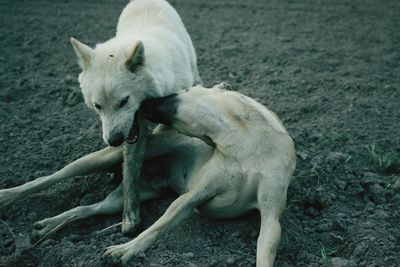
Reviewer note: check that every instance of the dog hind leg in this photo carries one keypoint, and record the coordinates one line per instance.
(110, 205)
(268, 240)
(271, 205)
(90, 163)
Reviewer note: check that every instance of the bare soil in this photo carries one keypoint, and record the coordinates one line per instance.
(329, 69)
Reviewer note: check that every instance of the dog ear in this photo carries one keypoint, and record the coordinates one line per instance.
(137, 57)
(83, 52)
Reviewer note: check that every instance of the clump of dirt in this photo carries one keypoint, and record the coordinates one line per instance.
(329, 69)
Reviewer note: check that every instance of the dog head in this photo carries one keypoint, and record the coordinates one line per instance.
(114, 81)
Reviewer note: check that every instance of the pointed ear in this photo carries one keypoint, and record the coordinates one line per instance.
(83, 52)
(136, 58)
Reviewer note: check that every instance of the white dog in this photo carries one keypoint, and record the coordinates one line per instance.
(151, 55)
(250, 166)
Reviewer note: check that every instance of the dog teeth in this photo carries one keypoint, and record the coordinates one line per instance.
(132, 140)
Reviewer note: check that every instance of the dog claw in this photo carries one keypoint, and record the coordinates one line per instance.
(35, 236)
(39, 230)
(37, 226)
(113, 261)
(111, 258)
(42, 228)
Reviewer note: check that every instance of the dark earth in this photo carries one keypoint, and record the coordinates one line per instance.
(329, 69)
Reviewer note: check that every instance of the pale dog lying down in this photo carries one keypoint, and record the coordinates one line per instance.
(151, 55)
(249, 167)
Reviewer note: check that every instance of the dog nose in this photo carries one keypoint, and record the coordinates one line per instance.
(116, 139)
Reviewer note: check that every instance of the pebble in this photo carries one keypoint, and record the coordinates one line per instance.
(370, 207)
(360, 249)
(230, 261)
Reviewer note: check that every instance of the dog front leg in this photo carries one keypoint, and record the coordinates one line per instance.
(178, 211)
(90, 163)
(133, 159)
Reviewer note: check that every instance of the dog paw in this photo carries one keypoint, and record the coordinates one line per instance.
(119, 255)
(43, 228)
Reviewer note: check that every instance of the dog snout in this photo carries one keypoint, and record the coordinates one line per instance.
(116, 139)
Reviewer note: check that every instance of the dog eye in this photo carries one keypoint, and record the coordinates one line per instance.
(123, 101)
(97, 106)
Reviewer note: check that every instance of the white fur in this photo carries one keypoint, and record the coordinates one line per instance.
(169, 63)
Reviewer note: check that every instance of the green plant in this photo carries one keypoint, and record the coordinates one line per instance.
(326, 252)
(384, 161)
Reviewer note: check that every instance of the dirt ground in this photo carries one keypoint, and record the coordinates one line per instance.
(329, 69)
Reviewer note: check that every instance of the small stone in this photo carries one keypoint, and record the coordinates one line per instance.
(370, 207)
(360, 249)
(230, 261)
(70, 80)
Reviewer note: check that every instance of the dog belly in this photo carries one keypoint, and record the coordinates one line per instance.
(226, 206)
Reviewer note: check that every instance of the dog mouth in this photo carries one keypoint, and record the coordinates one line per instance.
(134, 131)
